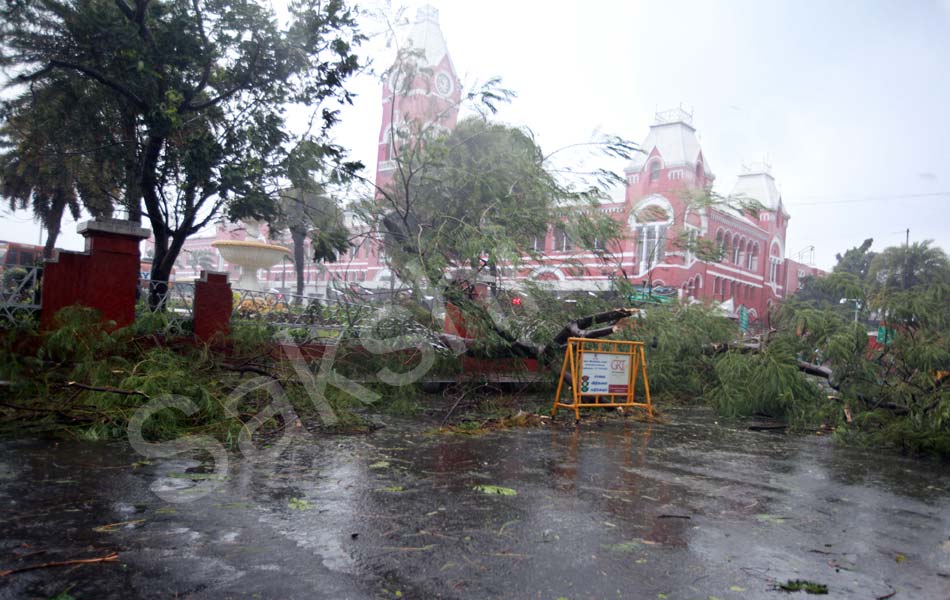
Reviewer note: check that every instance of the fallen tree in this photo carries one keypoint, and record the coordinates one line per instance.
(503, 344)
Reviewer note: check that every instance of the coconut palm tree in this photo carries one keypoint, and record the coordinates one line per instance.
(907, 267)
(312, 212)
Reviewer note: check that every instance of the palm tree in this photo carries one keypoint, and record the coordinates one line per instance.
(39, 171)
(201, 260)
(312, 211)
(903, 268)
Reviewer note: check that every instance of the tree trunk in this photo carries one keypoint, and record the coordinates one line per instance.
(53, 223)
(299, 237)
(133, 189)
(514, 348)
(166, 253)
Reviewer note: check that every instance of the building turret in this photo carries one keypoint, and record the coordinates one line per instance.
(421, 91)
(672, 158)
(756, 183)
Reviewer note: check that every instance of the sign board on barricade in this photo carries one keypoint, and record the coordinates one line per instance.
(602, 373)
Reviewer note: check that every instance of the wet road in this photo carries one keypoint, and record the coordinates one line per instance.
(687, 509)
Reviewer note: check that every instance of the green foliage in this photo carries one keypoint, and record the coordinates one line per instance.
(475, 199)
(681, 368)
(308, 209)
(895, 392)
(188, 101)
(802, 585)
(478, 197)
(857, 260)
(86, 379)
(764, 383)
(48, 164)
(907, 268)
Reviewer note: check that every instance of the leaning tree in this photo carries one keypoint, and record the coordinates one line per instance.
(467, 204)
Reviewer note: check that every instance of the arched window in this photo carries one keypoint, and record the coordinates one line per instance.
(727, 248)
(735, 250)
(652, 221)
(754, 257)
(654, 170)
(562, 242)
(775, 262)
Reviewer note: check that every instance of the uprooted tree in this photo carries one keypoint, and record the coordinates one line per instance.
(893, 392)
(466, 206)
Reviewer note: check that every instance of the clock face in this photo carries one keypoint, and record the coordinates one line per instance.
(443, 84)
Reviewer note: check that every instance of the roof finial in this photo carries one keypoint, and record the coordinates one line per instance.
(758, 167)
(427, 12)
(673, 115)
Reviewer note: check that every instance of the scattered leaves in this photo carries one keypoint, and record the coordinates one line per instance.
(624, 546)
(495, 490)
(770, 518)
(802, 585)
(113, 526)
(299, 504)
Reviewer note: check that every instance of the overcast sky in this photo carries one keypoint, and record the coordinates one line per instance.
(848, 100)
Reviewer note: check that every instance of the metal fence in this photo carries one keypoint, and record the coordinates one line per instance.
(306, 319)
(170, 305)
(20, 293)
(303, 317)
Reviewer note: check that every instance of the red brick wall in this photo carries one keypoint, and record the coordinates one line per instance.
(103, 277)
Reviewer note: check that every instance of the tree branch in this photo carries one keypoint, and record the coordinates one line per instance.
(93, 74)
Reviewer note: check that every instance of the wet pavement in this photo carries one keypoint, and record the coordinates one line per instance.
(688, 509)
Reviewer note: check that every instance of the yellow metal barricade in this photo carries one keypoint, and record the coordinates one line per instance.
(602, 373)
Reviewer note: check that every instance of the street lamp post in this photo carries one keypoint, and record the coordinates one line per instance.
(283, 273)
(857, 306)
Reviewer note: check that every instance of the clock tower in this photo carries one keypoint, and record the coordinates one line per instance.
(421, 91)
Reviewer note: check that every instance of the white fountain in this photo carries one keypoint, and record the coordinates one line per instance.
(250, 255)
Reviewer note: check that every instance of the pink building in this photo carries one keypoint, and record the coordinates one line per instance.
(421, 95)
(666, 219)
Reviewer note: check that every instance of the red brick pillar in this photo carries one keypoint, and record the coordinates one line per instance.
(213, 305)
(104, 276)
